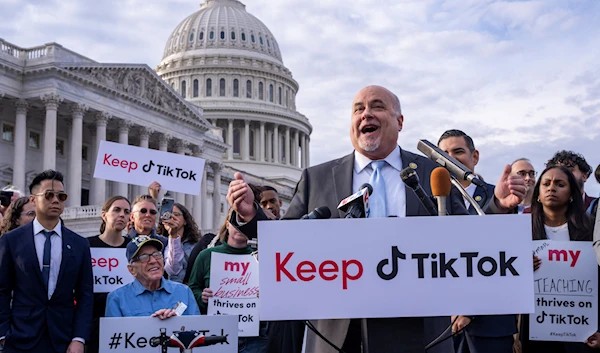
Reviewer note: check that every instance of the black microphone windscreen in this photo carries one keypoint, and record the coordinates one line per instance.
(368, 186)
(324, 212)
(410, 177)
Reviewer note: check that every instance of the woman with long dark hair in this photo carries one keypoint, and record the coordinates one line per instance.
(184, 237)
(115, 216)
(558, 213)
(18, 213)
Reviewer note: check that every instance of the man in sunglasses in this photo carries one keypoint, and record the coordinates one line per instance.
(46, 271)
(149, 294)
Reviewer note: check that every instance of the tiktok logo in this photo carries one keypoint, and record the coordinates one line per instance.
(396, 256)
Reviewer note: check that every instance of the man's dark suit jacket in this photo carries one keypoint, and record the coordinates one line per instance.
(489, 325)
(32, 312)
(329, 183)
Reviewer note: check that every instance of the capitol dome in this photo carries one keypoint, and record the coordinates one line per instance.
(222, 25)
(227, 62)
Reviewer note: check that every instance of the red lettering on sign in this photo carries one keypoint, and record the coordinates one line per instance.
(110, 262)
(328, 270)
(122, 163)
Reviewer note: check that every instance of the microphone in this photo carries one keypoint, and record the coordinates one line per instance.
(443, 159)
(322, 212)
(357, 205)
(411, 178)
(440, 188)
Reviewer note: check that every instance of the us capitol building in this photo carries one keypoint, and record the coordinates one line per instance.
(221, 92)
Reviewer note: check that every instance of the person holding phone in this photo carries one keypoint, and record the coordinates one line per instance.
(183, 233)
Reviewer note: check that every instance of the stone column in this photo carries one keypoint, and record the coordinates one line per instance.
(20, 140)
(287, 146)
(216, 167)
(246, 145)
(303, 148)
(261, 149)
(296, 147)
(269, 157)
(49, 152)
(198, 200)
(276, 158)
(180, 146)
(124, 127)
(99, 185)
(75, 146)
(307, 151)
(163, 145)
(144, 134)
(230, 139)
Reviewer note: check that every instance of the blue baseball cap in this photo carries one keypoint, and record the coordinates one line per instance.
(138, 242)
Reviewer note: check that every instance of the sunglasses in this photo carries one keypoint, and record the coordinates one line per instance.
(49, 195)
(145, 210)
(145, 258)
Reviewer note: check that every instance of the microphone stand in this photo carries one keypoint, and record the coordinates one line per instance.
(467, 196)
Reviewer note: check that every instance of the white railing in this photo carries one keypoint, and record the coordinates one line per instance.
(82, 212)
(10, 49)
(22, 53)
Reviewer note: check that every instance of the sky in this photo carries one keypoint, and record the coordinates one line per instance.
(522, 78)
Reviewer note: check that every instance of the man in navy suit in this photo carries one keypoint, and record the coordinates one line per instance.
(484, 333)
(46, 271)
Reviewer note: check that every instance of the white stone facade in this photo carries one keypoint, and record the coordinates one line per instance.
(225, 60)
(55, 107)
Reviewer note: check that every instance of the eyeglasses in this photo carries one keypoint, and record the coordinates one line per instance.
(145, 210)
(177, 214)
(49, 195)
(145, 258)
(524, 173)
(29, 214)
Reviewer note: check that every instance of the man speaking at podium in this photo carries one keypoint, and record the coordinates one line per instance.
(378, 160)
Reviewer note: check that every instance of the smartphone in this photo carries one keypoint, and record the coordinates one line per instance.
(5, 197)
(166, 207)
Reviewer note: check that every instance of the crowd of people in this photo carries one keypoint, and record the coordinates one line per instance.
(47, 302)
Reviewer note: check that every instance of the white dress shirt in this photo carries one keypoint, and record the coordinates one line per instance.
(394, 186)
(55, 251)
(471, 191)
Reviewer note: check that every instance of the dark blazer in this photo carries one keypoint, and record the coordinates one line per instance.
(490, 325)
(32, 312)
(326, 185)
(482, 196)
(587, 201)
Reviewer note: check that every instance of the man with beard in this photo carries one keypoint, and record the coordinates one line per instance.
(523, 168)
(576, 164)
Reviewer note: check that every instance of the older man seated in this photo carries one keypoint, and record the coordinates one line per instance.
(149, 294)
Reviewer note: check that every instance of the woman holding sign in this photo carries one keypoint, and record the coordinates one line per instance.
(558, 214)
(234, 242)
(115, 215)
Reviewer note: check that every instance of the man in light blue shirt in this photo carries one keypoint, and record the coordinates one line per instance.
(149, 294)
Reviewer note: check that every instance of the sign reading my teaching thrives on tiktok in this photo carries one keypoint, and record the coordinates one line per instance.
(216, 334)
(566, 292)
(395, 267)
(142, 166)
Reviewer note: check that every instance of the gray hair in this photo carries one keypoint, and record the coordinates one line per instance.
(15, 190)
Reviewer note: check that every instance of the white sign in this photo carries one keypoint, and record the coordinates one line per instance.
(110, 269)
(566, 292)
(142, 166)
(234, 282)
(149, 334)
(395, 267)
